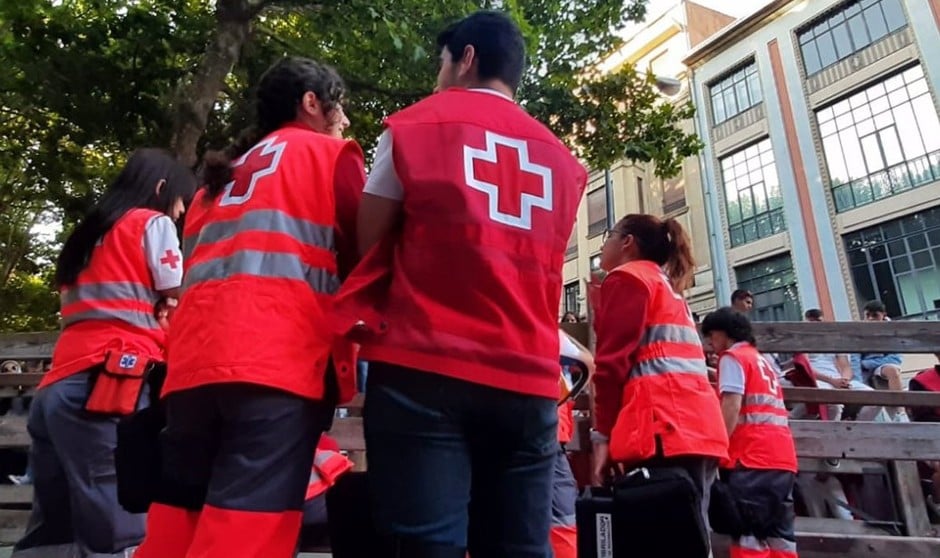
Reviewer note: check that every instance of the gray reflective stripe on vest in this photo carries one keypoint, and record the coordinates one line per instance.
(764, 400)
(776, 543)
(670, 334)
(314, 477)
(751, 542)
(265, 221)
(139, 319)
(669, 365)
(109, 291)
(274, 265)
(322, 456)
(763, 418)
(564, 520)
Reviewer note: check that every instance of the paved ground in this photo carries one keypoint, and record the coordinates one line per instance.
(5, 553)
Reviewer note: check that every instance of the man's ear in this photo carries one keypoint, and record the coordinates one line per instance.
(467, 59)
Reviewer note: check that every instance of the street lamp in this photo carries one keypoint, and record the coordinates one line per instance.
(669, 87)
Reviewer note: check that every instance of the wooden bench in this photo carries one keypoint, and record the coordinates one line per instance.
(859, 446)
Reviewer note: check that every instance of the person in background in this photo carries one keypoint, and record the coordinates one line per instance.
(116, 265)
(884, 367)
(253, 372)
(761, 467)
(463, 228)
(742, 300)
(834, 371)
(569, 318)
(650, 361)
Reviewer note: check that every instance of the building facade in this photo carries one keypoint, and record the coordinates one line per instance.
(821, 170)
(657, 46)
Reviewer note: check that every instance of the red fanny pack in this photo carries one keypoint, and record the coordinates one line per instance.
(118, 384)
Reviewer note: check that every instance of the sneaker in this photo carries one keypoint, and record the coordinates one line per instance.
(20, 480)
(901, 416)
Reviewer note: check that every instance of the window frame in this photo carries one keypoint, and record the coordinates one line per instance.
(746, 74)
(851, 17)
(879, 110)
(772, 215)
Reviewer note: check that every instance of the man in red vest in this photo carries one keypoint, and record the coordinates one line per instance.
(463, 226)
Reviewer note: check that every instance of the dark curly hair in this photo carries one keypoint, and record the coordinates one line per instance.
(734, 324)
(279, 93)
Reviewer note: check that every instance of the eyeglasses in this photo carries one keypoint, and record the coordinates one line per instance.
(611, 232)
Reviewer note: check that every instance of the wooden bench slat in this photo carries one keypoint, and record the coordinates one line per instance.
(858, 397)
(845, 466)
(13, 433)
(866, 440)
(27, 346)
(11, 494)
(348, 433)
(836, 545)
(809, 525)
(25, 380)
(848, 337)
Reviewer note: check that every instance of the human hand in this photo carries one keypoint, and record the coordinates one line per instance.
(601, 462)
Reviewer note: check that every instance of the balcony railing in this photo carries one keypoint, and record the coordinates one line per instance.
(889, 182)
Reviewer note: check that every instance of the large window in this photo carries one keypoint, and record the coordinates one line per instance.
(848, 30)
(735, 93)
(572, 296)
(597, 211)
(571, 252)
(773, 284)
(898, 262)
(752, 194)
(673, 194)
(882, 140)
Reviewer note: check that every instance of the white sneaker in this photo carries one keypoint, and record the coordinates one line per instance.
(901, 416)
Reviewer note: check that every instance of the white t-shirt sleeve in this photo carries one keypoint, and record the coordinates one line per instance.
(162, 250)
(730, 375)
(383, 180)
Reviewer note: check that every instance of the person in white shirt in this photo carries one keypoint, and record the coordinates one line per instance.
(834, 371)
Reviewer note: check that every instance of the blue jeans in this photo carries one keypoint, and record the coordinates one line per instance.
(362, 374)
(459, 465)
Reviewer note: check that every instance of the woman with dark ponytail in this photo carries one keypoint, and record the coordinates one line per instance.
(254, 372)
(654, 406)
(118, 264)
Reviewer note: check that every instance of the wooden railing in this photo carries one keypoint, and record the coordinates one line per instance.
(891, 448)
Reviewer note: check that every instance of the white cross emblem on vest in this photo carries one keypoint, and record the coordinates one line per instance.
(528, 200)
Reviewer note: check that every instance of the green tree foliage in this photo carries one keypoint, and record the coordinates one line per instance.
(87, 81)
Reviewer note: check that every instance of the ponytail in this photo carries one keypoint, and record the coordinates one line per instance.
(217, 165)
(680, 263)
(664, 242)
(279, 94)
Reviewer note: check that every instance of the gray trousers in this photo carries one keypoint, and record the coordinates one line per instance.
(75, 508)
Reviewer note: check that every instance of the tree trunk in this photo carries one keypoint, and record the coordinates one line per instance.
(198, 96)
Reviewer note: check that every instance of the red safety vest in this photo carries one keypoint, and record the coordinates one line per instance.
(328, 466)
(261, 273)
(565, 422)
(930, 380)
(667, 395)
(762, 438)
(470, 288)
(111, 305)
